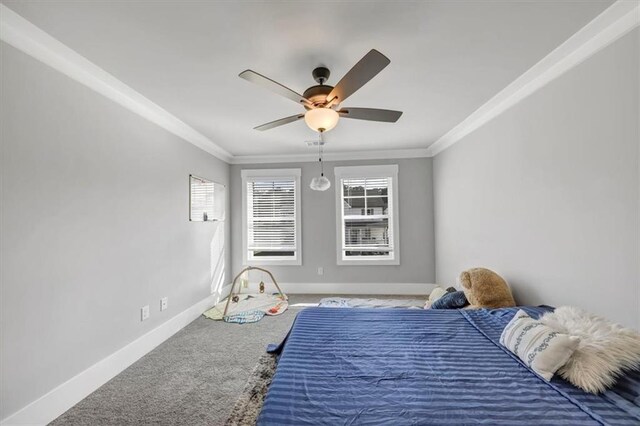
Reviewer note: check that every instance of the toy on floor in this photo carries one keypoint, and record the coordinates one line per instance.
(242, 273)
(485, 289)
(245, 308)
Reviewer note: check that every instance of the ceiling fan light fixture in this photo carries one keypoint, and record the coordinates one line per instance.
(320, 183)
(321, 119)
(322, 101)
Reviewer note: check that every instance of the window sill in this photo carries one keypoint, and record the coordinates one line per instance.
(274, 262)
(368, 262)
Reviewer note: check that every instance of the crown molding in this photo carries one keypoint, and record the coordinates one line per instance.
(25, 36)
(331, 156)
(616, 21)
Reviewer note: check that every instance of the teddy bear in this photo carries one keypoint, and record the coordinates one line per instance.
(485, 289)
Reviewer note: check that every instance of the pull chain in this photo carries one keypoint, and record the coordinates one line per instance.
(320, 149)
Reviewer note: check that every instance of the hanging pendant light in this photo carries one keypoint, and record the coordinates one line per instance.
(320, 183)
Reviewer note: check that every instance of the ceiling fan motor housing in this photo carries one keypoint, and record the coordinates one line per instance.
(317, 95)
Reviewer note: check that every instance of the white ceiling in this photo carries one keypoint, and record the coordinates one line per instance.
(447, 59)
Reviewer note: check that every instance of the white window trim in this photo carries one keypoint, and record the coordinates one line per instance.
(390, 170)
(271, 173)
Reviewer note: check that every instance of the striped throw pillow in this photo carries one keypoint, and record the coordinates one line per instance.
(540, 347)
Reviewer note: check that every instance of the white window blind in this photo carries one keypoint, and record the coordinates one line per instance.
(206, 200)
(271, 219)
(367, 225)
(272, 215)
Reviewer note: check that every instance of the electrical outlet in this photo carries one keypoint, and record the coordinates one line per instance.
(164, 303)
(144, 313)
(320, 270)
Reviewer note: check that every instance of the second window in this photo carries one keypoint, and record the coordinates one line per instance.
(367, 228)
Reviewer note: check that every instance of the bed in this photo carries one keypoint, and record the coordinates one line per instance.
(415, 367)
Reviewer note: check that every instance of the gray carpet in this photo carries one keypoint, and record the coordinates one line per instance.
(194, 378)
(249, 404)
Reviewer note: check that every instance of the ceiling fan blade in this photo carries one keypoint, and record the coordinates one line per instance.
(274, 86)
(279, 122)
(371, 114)
(367, 68)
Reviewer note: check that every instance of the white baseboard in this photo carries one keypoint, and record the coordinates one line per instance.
(414, 289)
(53, 404)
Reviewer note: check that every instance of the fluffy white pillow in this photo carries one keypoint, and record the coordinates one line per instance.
(606, 349)
(542, 348)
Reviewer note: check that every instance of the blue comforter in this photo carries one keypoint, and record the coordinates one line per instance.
(418, 367)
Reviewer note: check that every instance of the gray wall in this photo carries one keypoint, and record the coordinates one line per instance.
(94, 226)
(319, 227)
(547, 193)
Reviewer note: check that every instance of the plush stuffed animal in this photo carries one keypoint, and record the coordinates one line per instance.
(485, 289)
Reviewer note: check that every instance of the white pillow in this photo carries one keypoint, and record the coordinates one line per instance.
(606, 349)
(542, 348)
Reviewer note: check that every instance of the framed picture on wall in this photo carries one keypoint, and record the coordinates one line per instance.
(206, 200)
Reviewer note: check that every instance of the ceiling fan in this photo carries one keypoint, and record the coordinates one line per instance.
(322, 101)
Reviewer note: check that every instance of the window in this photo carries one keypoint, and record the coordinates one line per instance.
(367, 215)
(206, 200)
(271, 217)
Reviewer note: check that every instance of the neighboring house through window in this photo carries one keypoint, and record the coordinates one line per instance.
(367, 215)
(271, 217)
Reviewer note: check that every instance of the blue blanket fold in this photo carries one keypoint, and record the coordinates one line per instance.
(416, 367)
